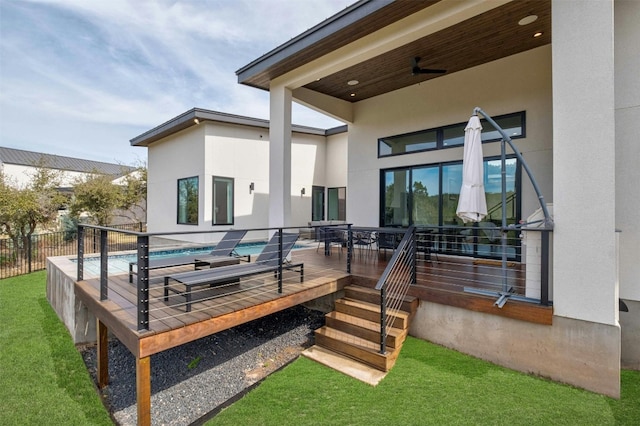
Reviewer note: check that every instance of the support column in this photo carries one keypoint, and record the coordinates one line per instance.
(584, 264)
(102, 372)
(280, 157)
(143, 390)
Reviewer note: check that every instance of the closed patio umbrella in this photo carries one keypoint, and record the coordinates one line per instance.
(472, 204)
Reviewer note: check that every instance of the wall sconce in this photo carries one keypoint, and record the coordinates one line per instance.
(251, 187)
(302, 192)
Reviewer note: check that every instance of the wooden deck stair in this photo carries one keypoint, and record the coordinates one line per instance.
(353, 329)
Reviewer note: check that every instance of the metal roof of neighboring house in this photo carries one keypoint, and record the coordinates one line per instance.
(59, 162)
(197, 115)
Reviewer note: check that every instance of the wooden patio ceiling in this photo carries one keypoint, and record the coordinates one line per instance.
(487, 37)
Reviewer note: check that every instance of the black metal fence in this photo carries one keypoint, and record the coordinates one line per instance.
(26, 255)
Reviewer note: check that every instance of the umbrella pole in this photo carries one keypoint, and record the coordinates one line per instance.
(505, 138)
(508, 292)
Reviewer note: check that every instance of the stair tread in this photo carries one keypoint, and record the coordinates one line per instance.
(350, 339)
(345, 364)
(373, 291)
(364, 323)
(372, 306)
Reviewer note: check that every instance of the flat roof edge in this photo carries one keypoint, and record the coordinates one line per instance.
(187, 119)
(342, 19)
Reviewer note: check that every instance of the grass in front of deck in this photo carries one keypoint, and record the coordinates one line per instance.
(43, 379)
(428, 385)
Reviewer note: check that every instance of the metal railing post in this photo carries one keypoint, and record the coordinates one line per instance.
(544, 268)
(349, 247)
(383, 320)
(143, 282)
(80, 274)
(104, 266)
(281, 260)
(414, 256)
(29, 253)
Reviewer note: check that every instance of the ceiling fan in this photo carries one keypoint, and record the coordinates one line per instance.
(415, 70)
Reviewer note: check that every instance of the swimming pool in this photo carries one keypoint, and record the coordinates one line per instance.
(119, 264)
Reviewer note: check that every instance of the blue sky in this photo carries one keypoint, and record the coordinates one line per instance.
(82, 77)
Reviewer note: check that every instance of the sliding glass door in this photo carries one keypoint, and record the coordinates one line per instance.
(427, 195)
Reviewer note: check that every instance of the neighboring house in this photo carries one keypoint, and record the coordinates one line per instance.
(209, 170)
(19, 167)
(567, 83)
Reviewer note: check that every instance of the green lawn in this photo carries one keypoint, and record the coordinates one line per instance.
(428, 385)
(43, 380)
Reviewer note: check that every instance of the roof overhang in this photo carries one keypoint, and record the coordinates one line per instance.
(197, 116)
(447, 34)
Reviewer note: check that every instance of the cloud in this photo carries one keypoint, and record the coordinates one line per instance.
(136, 64)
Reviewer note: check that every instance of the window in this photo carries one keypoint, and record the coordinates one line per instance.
(428, 195)
(317, 203)
(337, 205)
(412, 142)
(450, 136)
(222, 201)
(188, 201)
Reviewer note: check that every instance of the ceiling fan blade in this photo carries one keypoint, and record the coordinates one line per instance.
(415, 68)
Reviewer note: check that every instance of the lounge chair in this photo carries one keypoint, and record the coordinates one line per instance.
(267, 261)
(220, 254)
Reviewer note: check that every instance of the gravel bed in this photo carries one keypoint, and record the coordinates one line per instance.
(193, 381)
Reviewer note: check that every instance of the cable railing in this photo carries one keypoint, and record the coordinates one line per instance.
(24, 255)
(456, 259)
(270, 270)
(394, 283)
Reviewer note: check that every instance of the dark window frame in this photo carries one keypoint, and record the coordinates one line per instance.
(440, 165)
(213, 200)
(317, 189)
(178, 203)
(440, 134)
(337, 188)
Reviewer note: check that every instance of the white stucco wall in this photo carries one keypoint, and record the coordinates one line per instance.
(585, 263)
(521, 82)
(627, 112)
(242, 153)
(175, 157)
(336, 155)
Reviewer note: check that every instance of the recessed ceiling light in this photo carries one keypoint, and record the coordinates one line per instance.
(352, 95)
(538, 34)
(352, 82)
(528, 19)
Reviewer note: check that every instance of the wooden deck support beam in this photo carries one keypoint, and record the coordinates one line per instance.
(143, 390)
(102, 351)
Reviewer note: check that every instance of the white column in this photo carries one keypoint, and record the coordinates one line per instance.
(584, 264)
(280, 157)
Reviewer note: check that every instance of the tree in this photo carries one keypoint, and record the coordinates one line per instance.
(101, 198)
(24, 209)
(135, 193)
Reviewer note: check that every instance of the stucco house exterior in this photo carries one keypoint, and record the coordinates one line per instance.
(223, 182)
(561, 76)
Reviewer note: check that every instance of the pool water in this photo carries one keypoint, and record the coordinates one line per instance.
(119, 264)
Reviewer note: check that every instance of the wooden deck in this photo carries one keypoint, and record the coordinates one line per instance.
(217, 309)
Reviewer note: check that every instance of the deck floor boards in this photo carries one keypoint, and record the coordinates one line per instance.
(320, 271)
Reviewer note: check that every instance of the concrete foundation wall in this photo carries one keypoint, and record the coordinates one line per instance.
(61, 275)
(630, 328)
(580, 353)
